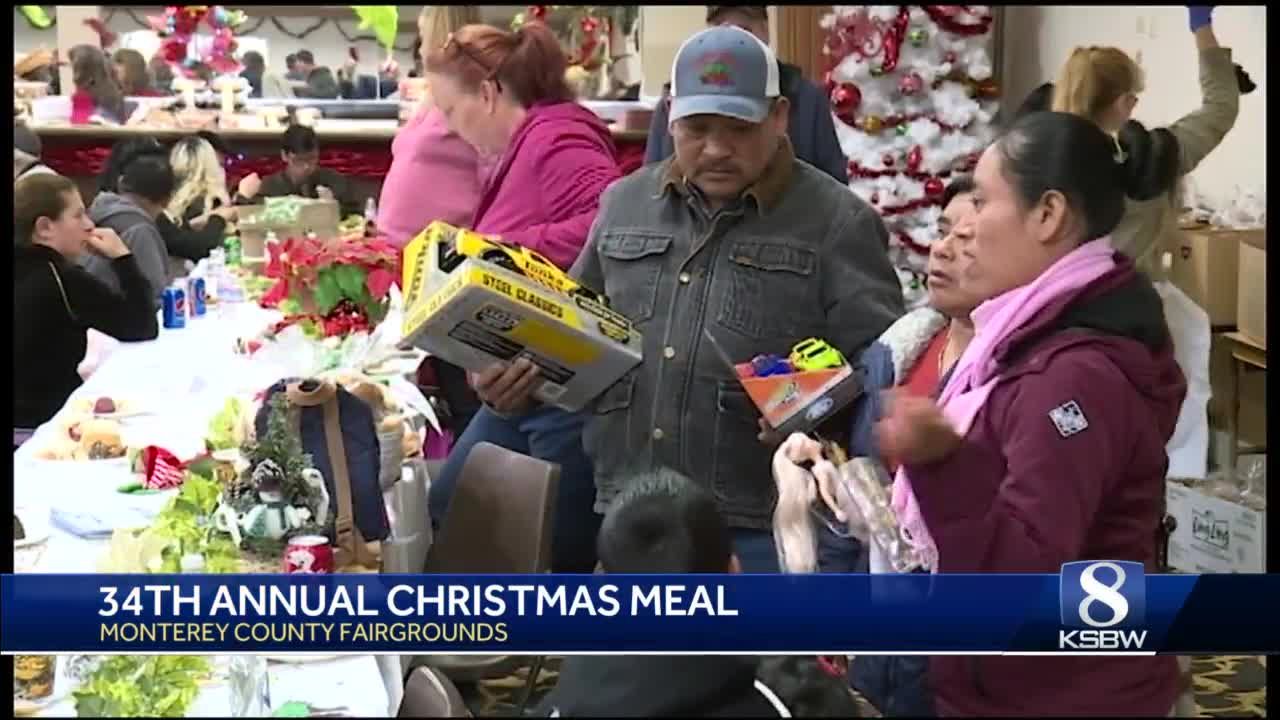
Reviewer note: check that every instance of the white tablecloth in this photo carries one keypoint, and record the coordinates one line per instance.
(183, 378)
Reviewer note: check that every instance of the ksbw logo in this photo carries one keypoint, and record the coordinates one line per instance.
(1096, 597)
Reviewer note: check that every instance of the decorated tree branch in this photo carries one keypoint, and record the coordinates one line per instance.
(912, 90)
(178, 27)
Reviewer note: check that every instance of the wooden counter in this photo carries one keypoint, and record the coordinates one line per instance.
(346, 131)
(359, 149)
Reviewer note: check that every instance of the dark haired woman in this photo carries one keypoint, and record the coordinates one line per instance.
(505, 94)
(143, 189)
(1047, 444)
(55, 301)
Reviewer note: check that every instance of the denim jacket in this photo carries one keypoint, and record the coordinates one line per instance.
(798, 256)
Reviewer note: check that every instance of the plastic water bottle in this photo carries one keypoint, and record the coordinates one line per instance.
(250, 686)
(370, 217)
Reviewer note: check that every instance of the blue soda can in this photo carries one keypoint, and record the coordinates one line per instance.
(173, 307)
(196, 296)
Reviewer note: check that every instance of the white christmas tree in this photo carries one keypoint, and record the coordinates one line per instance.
(912, 91)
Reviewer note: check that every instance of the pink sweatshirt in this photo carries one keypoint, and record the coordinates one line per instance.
(434, 175)
(545, 190)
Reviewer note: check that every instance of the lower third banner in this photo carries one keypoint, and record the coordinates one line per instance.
(1091, 607)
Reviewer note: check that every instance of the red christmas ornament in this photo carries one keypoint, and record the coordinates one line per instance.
(846, 98)
(537, 12)
(887, 160)
(933, 187)
(589, 25)
(875, 198)
(910, 84)
(949, 57)
(914, 158)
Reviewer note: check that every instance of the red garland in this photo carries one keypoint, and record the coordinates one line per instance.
(87, 158)
(910, 206)
(944, 16)
(893, 40)
(912, 245)
(867, 173)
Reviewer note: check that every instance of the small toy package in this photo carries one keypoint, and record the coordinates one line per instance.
(471, 300)
(801, 391)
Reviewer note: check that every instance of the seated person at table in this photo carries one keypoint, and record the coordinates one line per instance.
(200, 207)
(97, 96)
(302, 174)
(142, 192)
(320, 81)
(26, 153)
(662, 524)
(55, 301)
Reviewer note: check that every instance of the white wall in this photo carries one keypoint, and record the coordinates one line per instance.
(1039, 39)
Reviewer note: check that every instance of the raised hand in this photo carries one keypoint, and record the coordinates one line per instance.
(1200, 16)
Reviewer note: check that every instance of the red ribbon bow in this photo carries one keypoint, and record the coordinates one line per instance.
(163, 469)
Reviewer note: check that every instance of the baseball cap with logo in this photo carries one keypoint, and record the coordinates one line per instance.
(724, 71)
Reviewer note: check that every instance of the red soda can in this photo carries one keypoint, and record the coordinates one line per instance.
(308, 554)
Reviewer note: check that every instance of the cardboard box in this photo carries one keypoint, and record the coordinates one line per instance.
(1205, 266)
(471, 311)
(314, 216)
(1214, 535)
(800, 402)
(1252, 391)
(1251, 312)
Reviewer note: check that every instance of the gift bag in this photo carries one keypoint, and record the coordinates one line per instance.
(338, 431)
(1188, 449)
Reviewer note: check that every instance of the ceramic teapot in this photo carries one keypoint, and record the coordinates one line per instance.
(271, 519)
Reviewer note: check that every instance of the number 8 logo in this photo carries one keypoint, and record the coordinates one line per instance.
(1096, 591)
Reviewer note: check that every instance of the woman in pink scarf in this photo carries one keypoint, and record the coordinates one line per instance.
(1047, 445)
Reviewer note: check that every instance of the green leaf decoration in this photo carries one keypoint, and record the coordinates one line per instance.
(37, 16)
(141, 686)
(328, 291)
(384, 20)
(351, 279)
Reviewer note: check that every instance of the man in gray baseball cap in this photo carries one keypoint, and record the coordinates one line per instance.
(727, 115)
(735, 238)
(810, 126)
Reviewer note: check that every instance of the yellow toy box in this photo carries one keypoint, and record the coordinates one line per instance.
(470, 300)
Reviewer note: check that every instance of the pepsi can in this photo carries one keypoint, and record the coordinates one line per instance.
(173, 307)
(196, 296)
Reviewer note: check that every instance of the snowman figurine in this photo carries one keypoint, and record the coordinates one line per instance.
(272, 517)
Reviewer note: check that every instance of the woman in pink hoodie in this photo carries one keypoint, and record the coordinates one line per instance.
(506, 95)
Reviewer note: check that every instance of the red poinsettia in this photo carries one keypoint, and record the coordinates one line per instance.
(342, 286)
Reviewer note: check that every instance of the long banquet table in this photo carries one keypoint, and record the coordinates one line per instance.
(183, 378)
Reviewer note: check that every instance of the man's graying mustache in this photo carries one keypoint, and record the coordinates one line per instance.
(719, 167)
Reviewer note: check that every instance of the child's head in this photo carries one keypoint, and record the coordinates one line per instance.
(664, 523)
(806, 688)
